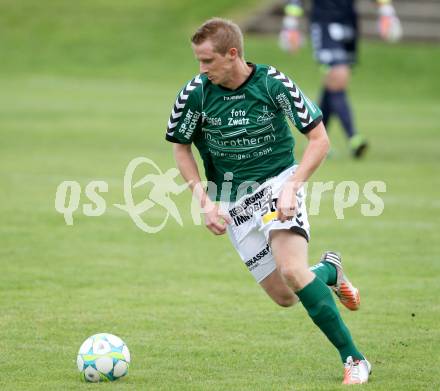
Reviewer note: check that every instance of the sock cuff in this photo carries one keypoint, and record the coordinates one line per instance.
(313, 292)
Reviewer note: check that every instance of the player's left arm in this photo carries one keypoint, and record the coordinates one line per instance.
(315, 152)
(307, 118)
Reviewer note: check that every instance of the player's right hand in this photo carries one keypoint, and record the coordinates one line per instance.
(215, 219)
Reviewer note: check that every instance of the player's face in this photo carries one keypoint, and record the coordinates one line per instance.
(216, 66)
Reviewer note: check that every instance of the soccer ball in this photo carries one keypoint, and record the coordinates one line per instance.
(103, 357)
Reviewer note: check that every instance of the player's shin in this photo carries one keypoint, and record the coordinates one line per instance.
(317, 299)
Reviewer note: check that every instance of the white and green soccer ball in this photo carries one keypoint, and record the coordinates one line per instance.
(103, 357)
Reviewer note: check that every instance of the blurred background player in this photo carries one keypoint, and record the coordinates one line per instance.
(334, 33)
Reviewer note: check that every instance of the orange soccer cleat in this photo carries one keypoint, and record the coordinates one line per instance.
(344, 289)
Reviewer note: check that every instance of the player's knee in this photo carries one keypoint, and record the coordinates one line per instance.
(337, 84)
(337, 79)
(286, 301)
(292, 274)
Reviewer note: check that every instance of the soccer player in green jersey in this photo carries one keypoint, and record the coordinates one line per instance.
(235, 112)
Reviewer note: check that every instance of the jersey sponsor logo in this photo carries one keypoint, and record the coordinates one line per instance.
(259, 201)
(266, 116)
(213, 121)
(241, 140)
(285, 105)
(238, 117)
(235, 97)
(253, 262)
(189, 123)
(238, 121)
(230, 156)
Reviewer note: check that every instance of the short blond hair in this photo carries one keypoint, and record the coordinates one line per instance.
(223, 33)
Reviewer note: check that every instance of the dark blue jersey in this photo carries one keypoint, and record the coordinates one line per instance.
(327, 11)
(342, 11)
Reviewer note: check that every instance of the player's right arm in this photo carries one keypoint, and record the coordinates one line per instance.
(215, 220)
(184, 122)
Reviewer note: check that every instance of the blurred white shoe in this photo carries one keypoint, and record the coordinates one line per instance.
(356, 371)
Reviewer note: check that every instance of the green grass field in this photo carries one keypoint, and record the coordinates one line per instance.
(88, 86)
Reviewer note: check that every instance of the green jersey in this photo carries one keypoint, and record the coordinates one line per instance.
(242, 135)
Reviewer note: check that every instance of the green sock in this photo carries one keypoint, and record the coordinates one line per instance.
(326, 272)
(318, 301)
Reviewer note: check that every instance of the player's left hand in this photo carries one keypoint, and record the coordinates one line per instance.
(286, 204)
(390, 28)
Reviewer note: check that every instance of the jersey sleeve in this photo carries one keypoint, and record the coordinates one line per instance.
(302, 112)
(186, 115)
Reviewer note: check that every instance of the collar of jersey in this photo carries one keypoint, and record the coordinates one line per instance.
(245, 82)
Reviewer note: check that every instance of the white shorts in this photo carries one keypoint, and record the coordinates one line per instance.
(254, 216)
